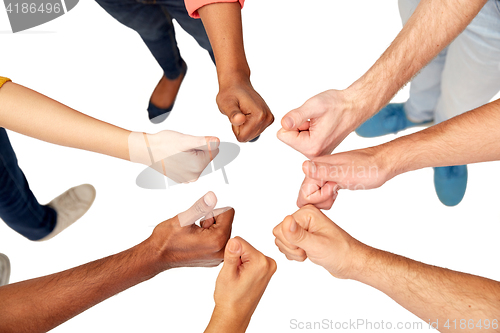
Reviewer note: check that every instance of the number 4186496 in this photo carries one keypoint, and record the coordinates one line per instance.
(33, 8)
(471, 324)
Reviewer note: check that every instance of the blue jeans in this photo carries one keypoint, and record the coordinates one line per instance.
(152, 19)
(18, 206)
(464, 76)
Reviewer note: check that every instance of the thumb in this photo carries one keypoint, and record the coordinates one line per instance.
(232, 256)
(320, 171)
(232, 110)
(295, 118)
(295, 234)
(200, 209)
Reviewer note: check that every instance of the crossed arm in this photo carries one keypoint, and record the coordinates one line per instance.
(40, 304)
(429, 292)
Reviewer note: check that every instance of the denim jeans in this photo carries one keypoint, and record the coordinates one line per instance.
(464, 76)
(18, 206)
(152, 19)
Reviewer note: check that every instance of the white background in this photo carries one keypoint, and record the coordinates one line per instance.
(89, 61)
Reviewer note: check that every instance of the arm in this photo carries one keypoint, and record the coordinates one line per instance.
(178, 156)
(239, 287)
(464, 139)
(237, 99)
(318, 126)
(427, 291)
(41, 304)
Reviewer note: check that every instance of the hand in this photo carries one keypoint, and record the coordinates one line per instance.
(319, 193)
(178, 156)
(240, 284)
(320, 125)
(361, 169)
(179, 242)
(245, 108)
(308, 233)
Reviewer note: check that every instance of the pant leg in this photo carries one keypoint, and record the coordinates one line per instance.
(471, 75)
(18, 206)
(154, 24)
(425, 88)
(194, 27)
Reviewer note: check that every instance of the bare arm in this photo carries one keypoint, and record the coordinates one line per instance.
(27, 112)
(427, 291)
(237, 99)
(318, 126)
(40, 304)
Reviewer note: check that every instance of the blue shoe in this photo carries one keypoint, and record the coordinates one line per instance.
(157, 115)
(255, 139)
(450, 183)
(391, 119)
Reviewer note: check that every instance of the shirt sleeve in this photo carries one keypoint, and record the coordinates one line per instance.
(3, 80)
(192, 6)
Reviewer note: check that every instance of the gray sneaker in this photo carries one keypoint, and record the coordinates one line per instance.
(70, 206)
(4, 269)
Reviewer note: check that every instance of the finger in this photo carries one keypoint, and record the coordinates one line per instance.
(210, 218)
(278, 233)
(295, 118)
(222, 225)
(295, 254)
(200, 209)
(232, 257)
(257, 120)
(236, 117)
(296, 139)
(320, 196)
(297, 235)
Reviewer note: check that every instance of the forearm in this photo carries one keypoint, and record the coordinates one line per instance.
(431, 293)
(27, 112)
(41, 304)
(227, 322)
(433, 25)
(222, 22)
(465, 139)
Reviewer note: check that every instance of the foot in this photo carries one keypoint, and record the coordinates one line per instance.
(163, 97)
(4, 269)
(450, 183)
(391, 119)
(70, 206)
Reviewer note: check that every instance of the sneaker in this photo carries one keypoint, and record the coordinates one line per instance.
(391, 119)
(70, 206)
(450, 184)
(4, 269)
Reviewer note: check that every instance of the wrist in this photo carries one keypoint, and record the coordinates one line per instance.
(153, 256)
(236, 76)
(228, 319)
(367, 96)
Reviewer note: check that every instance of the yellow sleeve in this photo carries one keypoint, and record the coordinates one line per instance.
(3, 80)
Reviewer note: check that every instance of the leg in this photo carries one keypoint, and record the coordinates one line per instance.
(154, 24)
(194, 27)
(425, 88)
(18, 206)
(471, 75)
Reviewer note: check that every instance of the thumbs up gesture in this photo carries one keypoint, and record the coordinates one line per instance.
(240, 286)
(180, 242)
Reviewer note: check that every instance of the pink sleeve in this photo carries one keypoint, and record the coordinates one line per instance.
(192, 6)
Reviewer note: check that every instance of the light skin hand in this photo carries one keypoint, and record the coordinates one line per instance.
(180, 157)
(237, 99)
(353, 170)
(308, 233)
(425, 290)
(318, 126)
(240, 286)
